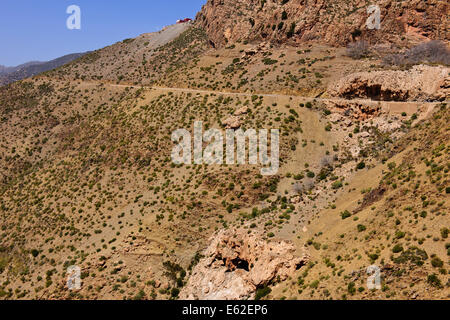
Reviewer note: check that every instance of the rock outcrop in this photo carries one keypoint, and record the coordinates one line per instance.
(336, 22)
(232, 122)
(421, 83)
(237, 263)
(353, 110)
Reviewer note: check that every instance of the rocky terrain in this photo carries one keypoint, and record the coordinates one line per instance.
(421, 83)
(334, 22)
(237, 263)
(86, 177)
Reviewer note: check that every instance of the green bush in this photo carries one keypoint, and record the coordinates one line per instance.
(337, 185)
(434, 280)
(345, 214)
(174, 292)
(310, 174)
(268, 61)
(444, 233)
(373, 256)
(262, 292)
(436, 262)
(413, 255)
(360, 165)
(351, 288)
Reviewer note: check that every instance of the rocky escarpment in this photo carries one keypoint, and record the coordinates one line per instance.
(421, 83)
(237, 263)
(335, 22)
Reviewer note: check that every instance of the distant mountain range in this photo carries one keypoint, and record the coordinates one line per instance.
(32, 68)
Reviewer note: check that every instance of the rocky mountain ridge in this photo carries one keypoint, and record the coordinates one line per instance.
(334, 22)
(29, 69)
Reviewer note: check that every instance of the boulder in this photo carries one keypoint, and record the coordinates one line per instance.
(232, 122)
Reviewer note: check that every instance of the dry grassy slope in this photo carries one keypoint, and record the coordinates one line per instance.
(99, 188)
(87, 179)
(304, 70)
(403, 229)
(141, 60)
(188, 62)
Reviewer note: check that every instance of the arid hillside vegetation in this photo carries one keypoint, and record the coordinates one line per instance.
(87, 179)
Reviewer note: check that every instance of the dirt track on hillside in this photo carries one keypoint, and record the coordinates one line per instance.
(276, 95)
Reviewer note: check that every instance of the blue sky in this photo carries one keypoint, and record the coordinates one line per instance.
(33, 30)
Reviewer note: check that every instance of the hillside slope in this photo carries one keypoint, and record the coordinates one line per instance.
(86, 176)
(33, 68)
(141, 60)
(394, 216)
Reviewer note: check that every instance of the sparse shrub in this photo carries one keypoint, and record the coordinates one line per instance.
(444, 233)
(262, 292)
(436, 262)
(399, 234)
(345, 214)
(351, 288)
(373, 256)
(358, 49)
(413, 255)
(140, 295)
(336, 185)
(434, 280)
(291, 31)
(298, 188)
(174, 292)
(397, 248)
(268, 61)
(314, 284)
(435, 52)
(326, 161)
(3, 264)
(310, 174)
